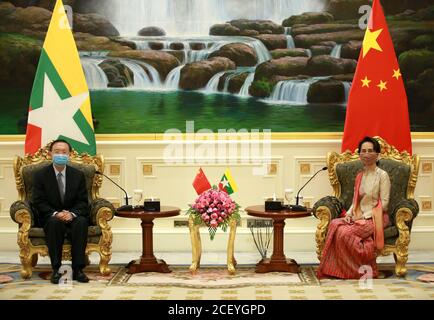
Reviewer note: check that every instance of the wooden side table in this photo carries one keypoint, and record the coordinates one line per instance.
(147, 261)
(278, 261)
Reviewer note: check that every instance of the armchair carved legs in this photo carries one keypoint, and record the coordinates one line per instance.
(104, 254)
(103, 263)
(26, 265)
(104, 249)
(403, 216)
(23, 217)
(29, 259)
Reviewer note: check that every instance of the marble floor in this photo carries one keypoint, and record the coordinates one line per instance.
(216, 258)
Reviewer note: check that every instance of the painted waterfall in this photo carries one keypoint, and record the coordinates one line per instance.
(152, 65)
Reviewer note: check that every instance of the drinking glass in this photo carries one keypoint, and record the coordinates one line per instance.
(137, 196)
(288, 193)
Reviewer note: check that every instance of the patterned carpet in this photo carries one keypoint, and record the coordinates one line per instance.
(215, 277)
(213, 283)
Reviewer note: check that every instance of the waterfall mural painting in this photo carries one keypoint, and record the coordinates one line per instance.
(152, 65)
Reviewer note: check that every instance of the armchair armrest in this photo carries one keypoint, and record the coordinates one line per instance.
(325, 209)
(409, 204)
(402, 217)
(334, 205)
(21, 212)
(101, 211)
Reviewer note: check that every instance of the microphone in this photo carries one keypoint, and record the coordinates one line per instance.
(126, 207)
(297, 207)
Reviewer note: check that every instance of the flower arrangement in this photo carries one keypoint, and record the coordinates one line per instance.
(215, 209)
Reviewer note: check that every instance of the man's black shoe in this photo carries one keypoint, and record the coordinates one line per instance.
(55, 277)
(80, 276)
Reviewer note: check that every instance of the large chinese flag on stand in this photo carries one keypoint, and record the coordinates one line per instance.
(377, 104)
(59, 103)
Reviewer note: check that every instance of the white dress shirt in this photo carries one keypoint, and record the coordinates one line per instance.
(63, 172)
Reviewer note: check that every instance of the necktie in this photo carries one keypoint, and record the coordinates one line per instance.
(61, 186)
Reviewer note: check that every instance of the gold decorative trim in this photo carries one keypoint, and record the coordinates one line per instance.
(413, 178)
(426, 167)
(24, 219)
(272, 169)
(196, 245)
(230, 251)
(147, 169)
(426, 205)
(403, 216)
(324, 215)
(183, 136)
(12, 138)
(104, 247)
(305, 168)
(115, 169)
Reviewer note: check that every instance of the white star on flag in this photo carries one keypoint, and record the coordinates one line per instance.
(225, 182)
(55, 116)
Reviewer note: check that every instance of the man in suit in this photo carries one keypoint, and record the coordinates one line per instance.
(61, 201)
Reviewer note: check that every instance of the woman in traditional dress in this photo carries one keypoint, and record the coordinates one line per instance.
(352, 242)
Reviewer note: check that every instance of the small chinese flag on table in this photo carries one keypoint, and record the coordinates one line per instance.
(201, 182)
(377, 104)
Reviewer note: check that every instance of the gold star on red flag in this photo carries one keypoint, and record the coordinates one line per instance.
(365, 82)
(370, 41)
(396, 74)
(382, 85)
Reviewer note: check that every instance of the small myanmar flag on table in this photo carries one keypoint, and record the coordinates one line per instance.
(227, 183)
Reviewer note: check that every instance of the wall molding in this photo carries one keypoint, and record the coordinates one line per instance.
(172, 184)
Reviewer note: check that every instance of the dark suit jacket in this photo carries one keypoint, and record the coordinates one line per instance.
(46, 196)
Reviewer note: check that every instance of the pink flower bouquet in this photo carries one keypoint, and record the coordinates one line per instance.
(214, 208)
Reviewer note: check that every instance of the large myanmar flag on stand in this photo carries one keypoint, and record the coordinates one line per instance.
(377, 104)
(59, 103)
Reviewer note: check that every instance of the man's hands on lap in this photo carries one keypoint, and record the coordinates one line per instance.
(65, 216)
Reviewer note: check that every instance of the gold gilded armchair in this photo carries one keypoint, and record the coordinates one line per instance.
(31, 236)
(402, 169)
